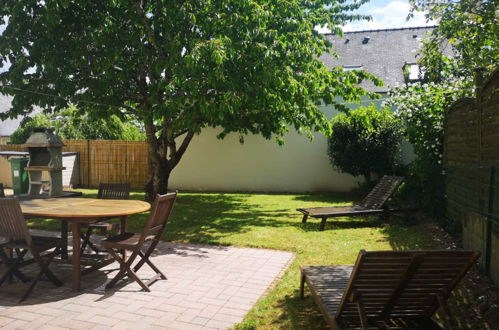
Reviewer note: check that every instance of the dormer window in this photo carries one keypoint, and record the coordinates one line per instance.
(413, 72)
(352, 67)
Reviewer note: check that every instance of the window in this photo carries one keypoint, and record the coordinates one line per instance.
(352, 67)
(413, 72)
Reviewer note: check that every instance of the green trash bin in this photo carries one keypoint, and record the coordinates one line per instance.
(20, 179)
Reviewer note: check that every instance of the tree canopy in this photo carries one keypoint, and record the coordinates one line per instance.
(468, 27)
(71, 124)
(244, 66)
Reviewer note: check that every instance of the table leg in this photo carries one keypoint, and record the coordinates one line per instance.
(75, 227)
(64, 239)
(123, 228)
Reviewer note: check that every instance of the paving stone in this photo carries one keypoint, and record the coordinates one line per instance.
(5, 320)
(16, 324)
(132, 317)
(103, 320)
(25, 316)
(215, 324)
(208, 287)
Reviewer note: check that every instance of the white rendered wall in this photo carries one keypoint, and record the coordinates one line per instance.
(258, 165)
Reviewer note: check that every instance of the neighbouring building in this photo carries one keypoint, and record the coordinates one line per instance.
(8, 126)
(301, 165)
(389, 54)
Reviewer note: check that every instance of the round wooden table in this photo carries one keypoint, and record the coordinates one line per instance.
(80, 211)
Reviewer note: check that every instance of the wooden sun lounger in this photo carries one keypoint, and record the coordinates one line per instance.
(388, 289)
(372, 204)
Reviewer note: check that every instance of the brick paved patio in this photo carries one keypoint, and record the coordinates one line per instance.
(207, 287)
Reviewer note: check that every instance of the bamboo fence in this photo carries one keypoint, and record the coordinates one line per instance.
(106, 161)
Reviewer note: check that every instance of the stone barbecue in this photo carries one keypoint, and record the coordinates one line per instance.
(45, 156)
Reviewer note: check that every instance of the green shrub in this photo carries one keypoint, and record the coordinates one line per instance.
(421, 109)
(71, 124)
(365, 141)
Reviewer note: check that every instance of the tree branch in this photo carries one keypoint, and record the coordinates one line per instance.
(150, 31)
(180, 152)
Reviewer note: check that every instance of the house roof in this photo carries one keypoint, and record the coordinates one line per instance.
(380, 52)
(7, 127)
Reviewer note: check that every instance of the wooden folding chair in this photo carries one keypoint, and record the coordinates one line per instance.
(153, 230)
(388, 289)
(13, 227)
(372, 204)
(106, 191)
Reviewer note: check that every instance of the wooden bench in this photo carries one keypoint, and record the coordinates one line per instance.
(387, 289)
(372, 204)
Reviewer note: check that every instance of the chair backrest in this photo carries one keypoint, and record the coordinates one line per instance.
(403, 283)
(12, 222)
(161, 209)
(381, 192)
(114, 191)
(2, 191)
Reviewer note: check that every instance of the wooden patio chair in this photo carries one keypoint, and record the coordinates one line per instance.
(106, 191)
(14, 229)
(388, 289)
(153, 230)
(372, 204)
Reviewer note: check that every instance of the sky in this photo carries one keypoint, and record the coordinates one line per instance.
(386, 14)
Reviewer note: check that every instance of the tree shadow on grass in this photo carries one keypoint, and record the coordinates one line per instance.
(301, 313)
(209, 217)
(402, 236)
(343, 223)
(205, 218)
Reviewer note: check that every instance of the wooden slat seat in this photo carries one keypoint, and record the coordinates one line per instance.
(387, 289)
(152, 233)
(372, 204)
(126, 240)
(14, 230)
(328, 284)
(114, 191)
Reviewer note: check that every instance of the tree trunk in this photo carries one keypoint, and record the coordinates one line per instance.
(157, 183)
(163, 157)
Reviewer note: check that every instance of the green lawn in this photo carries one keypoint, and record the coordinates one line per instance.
(270, 221)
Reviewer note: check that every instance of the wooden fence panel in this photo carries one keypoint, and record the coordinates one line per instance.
(112, 161)
(471, 154)
(137, 164)
(117, 161)
(12, 147)
(106, 161)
